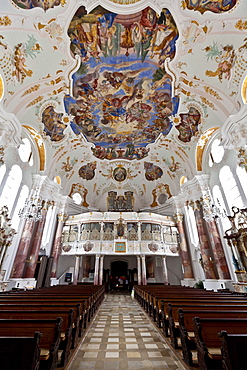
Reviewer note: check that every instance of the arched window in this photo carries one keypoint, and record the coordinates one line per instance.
(57, 180)
(242, 175)
(77, 198)
(191, 221)
(221, 207)
(25, 151)
(183, 180)
(11, 187)
(216, 153)
(2, 172)
(48, 227)
(230, 188)
(20, 204)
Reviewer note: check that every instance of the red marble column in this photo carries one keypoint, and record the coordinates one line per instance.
(76, 269)
(57, 244)
(208, 265)
(165, 272)
(35, 247)
(183, 248)
(144, 273)
(23, 249)
(217, 248)
(101, 266)
(96, 270)
(86, 263)
(139, 270)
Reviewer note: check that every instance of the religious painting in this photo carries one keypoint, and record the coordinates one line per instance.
(122, 94)
(214, 6)
(22, 51)
(189, 124)
(153, 172)
(153, 247)
(87, 171)
(120, 247)
(66, 248)
(225, 57)
(53, 124)
(88, 246)
(119, 174)
(150, 267)
(30, 4)
(120, 228)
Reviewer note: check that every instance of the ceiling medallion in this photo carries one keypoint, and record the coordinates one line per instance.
(119, 174)
(122, 95)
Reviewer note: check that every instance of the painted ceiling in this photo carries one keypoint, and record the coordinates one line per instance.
(121, 94)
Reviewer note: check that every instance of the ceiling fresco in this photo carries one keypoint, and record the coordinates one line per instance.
(121, 96)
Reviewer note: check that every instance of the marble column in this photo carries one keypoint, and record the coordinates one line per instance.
(76, 270)
(56, 250)
(139, 276)
(144, 273)
(165, 272)
(183, 248)
(86, 264)
(218, 251)
(23, 249)
(96, 270)
(35, 247)
(80, 269)
(207, 262)
(240, 245)
(101, 265)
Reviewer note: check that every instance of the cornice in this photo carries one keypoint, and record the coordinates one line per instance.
(234, 130)
(10, 129)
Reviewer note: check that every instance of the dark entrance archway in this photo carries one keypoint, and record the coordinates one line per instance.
(119, 275)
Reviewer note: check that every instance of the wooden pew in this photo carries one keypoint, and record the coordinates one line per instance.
(45, 300)
(174, 319)
(53, 302)
(57, 309)
(183, 302)
(66, 326)
(186, 325)
(208, 343)
(22, 353)
(50, 340)
(233, 351)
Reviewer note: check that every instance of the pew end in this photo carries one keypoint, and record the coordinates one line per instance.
(233, 350)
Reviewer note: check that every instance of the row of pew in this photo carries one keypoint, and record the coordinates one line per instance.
(211, 324)
(40, 328)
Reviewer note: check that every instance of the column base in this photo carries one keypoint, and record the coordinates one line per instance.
(212, 284)
(4, 286)
(151, 280)
(54, 281)
(188, 282)
(22, 283)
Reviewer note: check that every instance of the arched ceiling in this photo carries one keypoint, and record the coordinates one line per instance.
(121, 91)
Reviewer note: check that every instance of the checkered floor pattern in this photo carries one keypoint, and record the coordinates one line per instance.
(123, 338)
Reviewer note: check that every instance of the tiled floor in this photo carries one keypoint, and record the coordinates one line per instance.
(122, 338)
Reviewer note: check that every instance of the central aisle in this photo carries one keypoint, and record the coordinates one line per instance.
(122, 337)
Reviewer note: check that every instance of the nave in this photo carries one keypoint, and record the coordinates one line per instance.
(123, 337)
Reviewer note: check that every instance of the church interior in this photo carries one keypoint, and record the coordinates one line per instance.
(123, 156)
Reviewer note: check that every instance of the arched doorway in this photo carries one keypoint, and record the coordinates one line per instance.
(119, 275)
